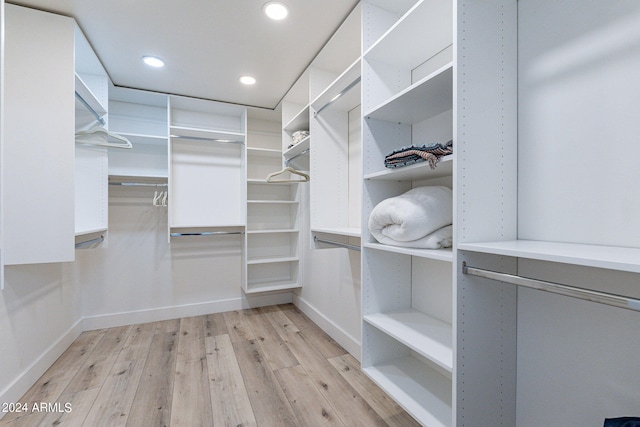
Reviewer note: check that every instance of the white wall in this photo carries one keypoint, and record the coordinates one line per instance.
(140, 277)
(39, 318)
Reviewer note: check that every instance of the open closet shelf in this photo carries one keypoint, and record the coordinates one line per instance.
(342, 231)
(415, 172)
(426, 335)
(85, 232)
(277, 230)
(273, 202)
(297, 149)
(299, 122)
(135, 180)
(421, 33)
(424, 393)
(435, 254)
(343, 93)
(93, 105)
(609, 257)
(271, 287)
(426, 98)
(264, 182)
(208, 134)
(271, 260)
(264, 151)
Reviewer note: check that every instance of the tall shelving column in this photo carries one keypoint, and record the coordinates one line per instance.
(407, 78)
(272, 257)
(207, 191)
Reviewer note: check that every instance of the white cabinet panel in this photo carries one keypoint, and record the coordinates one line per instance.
(38, 138)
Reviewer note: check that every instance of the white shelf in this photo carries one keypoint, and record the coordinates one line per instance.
(271, 287)
(609, 257)
(422, 32)
(435, 254)
(208, 134)
(271, 152)
(272, 202)
(430, 337)
(421, 391)
(271, 260)
(426, 98)
(416, 172)
(342, 231)
(85, 232)
(278, 230)
(89, 97)
(297, 149)
(299, 122)
(349, 99)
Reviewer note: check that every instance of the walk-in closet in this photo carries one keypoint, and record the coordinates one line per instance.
(346, 213)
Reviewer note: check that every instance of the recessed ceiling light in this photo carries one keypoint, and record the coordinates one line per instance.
(275, 10)
(153, 61)
(247, 80)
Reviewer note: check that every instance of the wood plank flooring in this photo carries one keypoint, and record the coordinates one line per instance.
(269, 366)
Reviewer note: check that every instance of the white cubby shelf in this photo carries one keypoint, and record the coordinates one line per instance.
(416, 172)
(445, 254)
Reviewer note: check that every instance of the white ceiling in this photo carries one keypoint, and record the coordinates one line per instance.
(207, 44)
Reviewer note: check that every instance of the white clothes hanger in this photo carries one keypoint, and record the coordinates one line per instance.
(288, 169)
(96, 134)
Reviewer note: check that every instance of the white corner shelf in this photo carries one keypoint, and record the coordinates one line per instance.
(336, 94)
(272, 260)
(297, 149)
(341, 231)
(79, 233)
(264, 182)
(445, 254)
(273, 202)
(271, 287)
(608, 257)
(422, 392)
(275, 230)
(426, 335)
(93, 108)
(271, 152)
(423, 31)
(426, 98)
(299, 122)
(416, 172)
(206, 134)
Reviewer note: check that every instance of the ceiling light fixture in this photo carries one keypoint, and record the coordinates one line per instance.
(247, 80)
(275, 10)
(153, 61)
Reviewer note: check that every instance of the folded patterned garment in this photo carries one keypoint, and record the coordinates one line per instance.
(413, 154)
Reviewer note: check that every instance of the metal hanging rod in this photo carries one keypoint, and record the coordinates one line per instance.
(302, 153)
(334, 243)
(199, 138)
(556, 288)
(338, 96)
(207, 233)
(93, 112)
(90, 242)
(139, 184)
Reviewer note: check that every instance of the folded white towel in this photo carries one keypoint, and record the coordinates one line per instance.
(419, 218)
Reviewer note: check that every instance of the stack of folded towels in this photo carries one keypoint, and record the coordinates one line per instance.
(418, 153)
(420, 218)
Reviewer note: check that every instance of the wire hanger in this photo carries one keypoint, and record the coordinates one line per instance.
(96, 134)
(289, 169)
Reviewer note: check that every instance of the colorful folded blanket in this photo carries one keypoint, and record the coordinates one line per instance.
(413, 154)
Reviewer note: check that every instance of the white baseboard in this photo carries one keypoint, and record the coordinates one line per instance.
(14, 391)
(188, 310)
(351, 344)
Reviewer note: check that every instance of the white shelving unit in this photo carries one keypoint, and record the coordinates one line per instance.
(91, 162)
(336, 160)
(407, 83)
(272, 238)
(206, 146)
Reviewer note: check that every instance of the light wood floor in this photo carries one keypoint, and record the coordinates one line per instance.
(268, 367)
